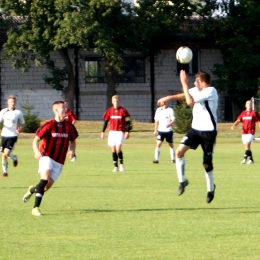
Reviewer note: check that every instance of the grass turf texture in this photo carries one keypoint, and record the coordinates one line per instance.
(92, 213)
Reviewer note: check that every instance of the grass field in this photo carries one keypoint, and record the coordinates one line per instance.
(92, 213)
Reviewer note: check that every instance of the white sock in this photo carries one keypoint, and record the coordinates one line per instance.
(210, 180)
(172, 153)
(180, 167)
(5, 165)
(157, 153)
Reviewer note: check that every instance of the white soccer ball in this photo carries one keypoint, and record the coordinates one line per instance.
(184, 55)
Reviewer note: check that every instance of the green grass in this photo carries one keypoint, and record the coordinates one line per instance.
(92, 213)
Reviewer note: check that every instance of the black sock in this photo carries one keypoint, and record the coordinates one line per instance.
(120, 156)
(250, 155)
(115, 158)
(39, 190)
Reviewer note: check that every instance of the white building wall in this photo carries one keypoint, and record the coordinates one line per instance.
(92, 102)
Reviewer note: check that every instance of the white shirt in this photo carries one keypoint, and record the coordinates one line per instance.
(164, 117)
(10, 120)
(202, 120)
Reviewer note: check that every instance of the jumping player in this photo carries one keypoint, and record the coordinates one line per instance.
(203, 132)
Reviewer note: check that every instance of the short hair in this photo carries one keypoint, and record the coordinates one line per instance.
(57, 103)
(115, 96)
(11, 97)
(204, 76)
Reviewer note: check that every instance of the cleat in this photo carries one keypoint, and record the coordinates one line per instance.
(73, 159)
(182, 187)
(173, 161)
(15, 160)
(115, 169)
(5, 175)
(155, 161)
(244, 161)
(36, 212)
(27, 195)
(210, 195)
(250, 162)
(121, 168)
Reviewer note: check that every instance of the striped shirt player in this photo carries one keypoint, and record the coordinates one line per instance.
(163, 120)
(13, 122)
(203, 132)
(56, 136)
(248, 118)
(119, 127)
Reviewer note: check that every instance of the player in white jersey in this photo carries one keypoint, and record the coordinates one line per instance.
(204, 99)
(164, 118)
(13, 122)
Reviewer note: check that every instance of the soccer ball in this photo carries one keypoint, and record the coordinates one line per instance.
(184, 55)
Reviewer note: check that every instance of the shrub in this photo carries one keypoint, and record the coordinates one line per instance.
(183, 115)
(32, 122)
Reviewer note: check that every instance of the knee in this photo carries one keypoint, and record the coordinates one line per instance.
(207, 163)
(179, 153)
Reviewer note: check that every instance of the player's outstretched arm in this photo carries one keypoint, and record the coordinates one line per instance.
(180, 96)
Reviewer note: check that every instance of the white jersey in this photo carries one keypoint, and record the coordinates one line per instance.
(10, 120)
(205, 108)
(164, 117)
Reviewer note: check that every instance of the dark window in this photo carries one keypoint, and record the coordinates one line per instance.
(190, 68)
(94, 72)
(132, 70)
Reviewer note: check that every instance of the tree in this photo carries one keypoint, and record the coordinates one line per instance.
(236, 30)
(111, 27)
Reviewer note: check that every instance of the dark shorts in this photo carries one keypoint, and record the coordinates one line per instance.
(165, 135)
(206, 139)
(8, 142)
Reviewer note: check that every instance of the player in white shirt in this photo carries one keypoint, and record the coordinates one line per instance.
(164, 118)
(13, 122)
(204, 99)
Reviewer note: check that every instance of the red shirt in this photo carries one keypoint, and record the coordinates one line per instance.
(248, 119)
(70, 116)
(55, 138)
(116, 117)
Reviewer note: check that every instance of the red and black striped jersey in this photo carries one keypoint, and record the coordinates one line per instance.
(117, 118)
(55, 138)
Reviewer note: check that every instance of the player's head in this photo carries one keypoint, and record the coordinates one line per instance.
(11, 102)
(58, 109)
(115, 101)
(202, 80)
(248, 105)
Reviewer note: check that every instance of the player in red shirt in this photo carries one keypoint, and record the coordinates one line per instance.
(57, 135)
(119, 128)
(69, 114)
(70, 117)
(248, 118)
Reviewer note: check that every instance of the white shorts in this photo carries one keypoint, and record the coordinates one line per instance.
(247, 138)
(115, 138)
(46, 163)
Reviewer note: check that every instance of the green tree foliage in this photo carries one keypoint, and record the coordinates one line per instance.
(183, 114)
(109, 26)
(237, 31)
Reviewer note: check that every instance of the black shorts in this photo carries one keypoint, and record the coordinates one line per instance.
(167, 135)
(8, 142)
(206, 139)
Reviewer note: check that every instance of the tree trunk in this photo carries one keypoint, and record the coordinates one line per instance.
(111, 79)
(69, 90)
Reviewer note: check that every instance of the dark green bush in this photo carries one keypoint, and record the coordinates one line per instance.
(183, 115)
(32, 122)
